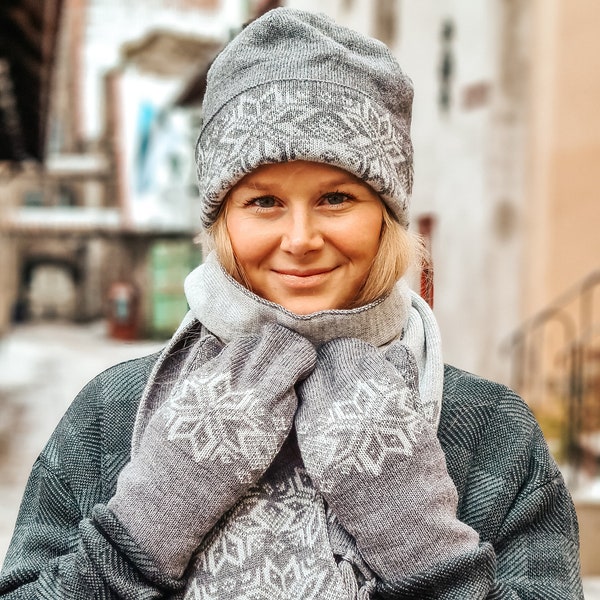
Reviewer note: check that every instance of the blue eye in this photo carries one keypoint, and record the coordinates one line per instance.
(336, 198)
(263, 202)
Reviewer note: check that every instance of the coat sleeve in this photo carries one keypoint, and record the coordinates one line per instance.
(66, 545)
(513, 494)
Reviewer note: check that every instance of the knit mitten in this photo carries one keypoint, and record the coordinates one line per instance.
(215, 436)
(377, 461)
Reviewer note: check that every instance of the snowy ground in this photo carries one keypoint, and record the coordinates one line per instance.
(42, 367)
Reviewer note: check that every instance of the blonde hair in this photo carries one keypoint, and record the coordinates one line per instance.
(398, 250)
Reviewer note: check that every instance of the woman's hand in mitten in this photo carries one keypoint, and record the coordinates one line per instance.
(216, 435)
(376, 460)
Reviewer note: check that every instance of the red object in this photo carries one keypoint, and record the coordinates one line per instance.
(123, 312)
(426, 224)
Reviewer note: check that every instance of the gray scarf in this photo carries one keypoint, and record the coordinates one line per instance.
(312, 537)
(228, 309)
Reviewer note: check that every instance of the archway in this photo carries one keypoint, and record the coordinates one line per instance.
(48, 288)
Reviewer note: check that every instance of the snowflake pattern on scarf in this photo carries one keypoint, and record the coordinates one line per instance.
(283, 513)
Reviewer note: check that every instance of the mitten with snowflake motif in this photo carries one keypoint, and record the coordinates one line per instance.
(377, 461)
(215, 436)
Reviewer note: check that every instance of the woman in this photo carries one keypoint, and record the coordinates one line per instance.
(299, 437)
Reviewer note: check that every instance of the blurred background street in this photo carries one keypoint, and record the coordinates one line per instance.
(42, 368)
(100, 106)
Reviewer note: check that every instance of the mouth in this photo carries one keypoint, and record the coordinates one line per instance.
(303, 278)
(302, 272)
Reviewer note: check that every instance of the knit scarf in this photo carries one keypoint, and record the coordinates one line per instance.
(281, 528)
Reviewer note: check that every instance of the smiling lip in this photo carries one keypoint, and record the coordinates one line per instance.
(303, 278)
(302, 273)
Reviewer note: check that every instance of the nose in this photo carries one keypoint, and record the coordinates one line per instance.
(302, 234)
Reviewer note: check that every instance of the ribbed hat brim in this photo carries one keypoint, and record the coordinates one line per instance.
(287, 120)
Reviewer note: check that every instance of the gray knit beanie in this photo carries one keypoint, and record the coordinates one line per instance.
(295, 85)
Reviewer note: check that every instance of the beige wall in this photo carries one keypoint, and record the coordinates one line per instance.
(564, 204)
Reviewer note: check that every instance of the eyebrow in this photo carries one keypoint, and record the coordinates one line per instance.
(255, 185)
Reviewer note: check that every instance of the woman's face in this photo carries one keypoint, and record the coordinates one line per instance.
(305, 234)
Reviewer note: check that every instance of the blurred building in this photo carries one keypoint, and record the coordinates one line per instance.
(556, 351)
(98, 219)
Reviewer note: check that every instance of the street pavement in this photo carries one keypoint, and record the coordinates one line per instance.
(42, 367)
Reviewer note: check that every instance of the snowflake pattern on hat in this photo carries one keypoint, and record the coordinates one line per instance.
(315, 121)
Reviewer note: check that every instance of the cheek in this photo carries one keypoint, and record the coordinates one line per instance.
(249, 242)
(362, 239)
(239, 236)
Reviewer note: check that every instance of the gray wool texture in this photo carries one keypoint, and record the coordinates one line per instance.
(296, 86)
(227, 309)
(377, 460)
(213, 438)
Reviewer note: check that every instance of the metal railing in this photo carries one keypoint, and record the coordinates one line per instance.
(555, 357)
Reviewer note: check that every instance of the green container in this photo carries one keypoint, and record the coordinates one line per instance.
(171, 261)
